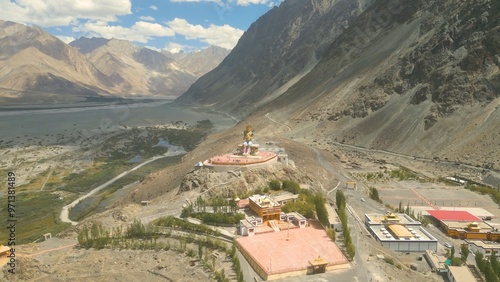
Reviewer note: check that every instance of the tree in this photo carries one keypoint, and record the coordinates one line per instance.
(480, 261)
(374, 194)
(291, 186)
(464, 249)
(452, 254)
(275, 185)
(321, 212)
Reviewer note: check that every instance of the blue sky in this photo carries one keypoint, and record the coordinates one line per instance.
(172, 25)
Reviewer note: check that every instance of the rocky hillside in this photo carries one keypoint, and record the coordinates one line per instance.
(419, 78)
(276, 50)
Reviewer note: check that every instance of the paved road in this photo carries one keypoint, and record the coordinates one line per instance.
(65, 210)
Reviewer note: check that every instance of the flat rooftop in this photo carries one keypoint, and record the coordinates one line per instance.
(274, 254)
(485, 227)
(461, 273)
(484, 244)
(400, 218)
(264, 201)
(478, 212)
(396, 232)
(447, 215)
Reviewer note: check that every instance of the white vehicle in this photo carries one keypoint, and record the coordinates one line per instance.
(447, 245)
(362, 199)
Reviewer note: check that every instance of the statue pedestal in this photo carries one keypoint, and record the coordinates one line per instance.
(254, 150)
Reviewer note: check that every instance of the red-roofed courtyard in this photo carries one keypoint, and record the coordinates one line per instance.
(447, 215)
(286, 253)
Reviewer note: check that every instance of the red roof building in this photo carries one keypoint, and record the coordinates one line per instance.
(445, 215)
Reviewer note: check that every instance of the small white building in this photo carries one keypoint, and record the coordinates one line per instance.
(285, 197)
(246, 228)
(297, 219)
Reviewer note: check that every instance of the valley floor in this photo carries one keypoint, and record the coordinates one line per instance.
(334, 167)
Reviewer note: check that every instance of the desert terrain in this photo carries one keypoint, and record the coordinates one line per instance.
(320, 168)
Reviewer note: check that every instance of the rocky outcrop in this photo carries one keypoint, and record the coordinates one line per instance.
(241, 182)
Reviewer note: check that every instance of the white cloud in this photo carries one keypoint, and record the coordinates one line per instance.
(65, 39)
(48, 13)
(153, 7)
(147, 18)
(180, 1)
(248, 2)
(224, 36)
(140, 31)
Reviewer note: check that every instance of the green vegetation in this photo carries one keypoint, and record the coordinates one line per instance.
(349, 245)
(303, 205)
(321, 212)
(219, 218)
(403, 173)
(224, 211)
(491, 269)
(93, 202)
(291, 186)
(464, 250)
(374, 194)
(36, 213)
(275, 185)
(98, 237)
(411, 213)
(389, 260)
(186, 226)
(483, 190)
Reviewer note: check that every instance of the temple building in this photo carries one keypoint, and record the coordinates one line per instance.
(464, 225)
(265, 207)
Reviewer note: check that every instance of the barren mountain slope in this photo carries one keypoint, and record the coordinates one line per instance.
(137, 70)
(35, 63)
(284, 43)
(420, 78)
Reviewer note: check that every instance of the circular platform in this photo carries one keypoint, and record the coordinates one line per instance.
(239, 160)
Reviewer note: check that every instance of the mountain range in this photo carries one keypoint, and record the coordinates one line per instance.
(38, 68)
(419, 78)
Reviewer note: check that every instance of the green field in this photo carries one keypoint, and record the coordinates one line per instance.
(37, 212)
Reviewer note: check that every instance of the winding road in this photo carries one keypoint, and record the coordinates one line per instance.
(65, 210)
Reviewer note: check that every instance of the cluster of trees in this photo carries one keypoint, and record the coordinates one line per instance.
(287, 185)
(219, 217)
(218, 204)
(236, 263)
(321, 212)
(491, 269)
(98, 236)
(411, 213)
(177, 223)
(224, 211)
(303, 205)
(349, 245)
